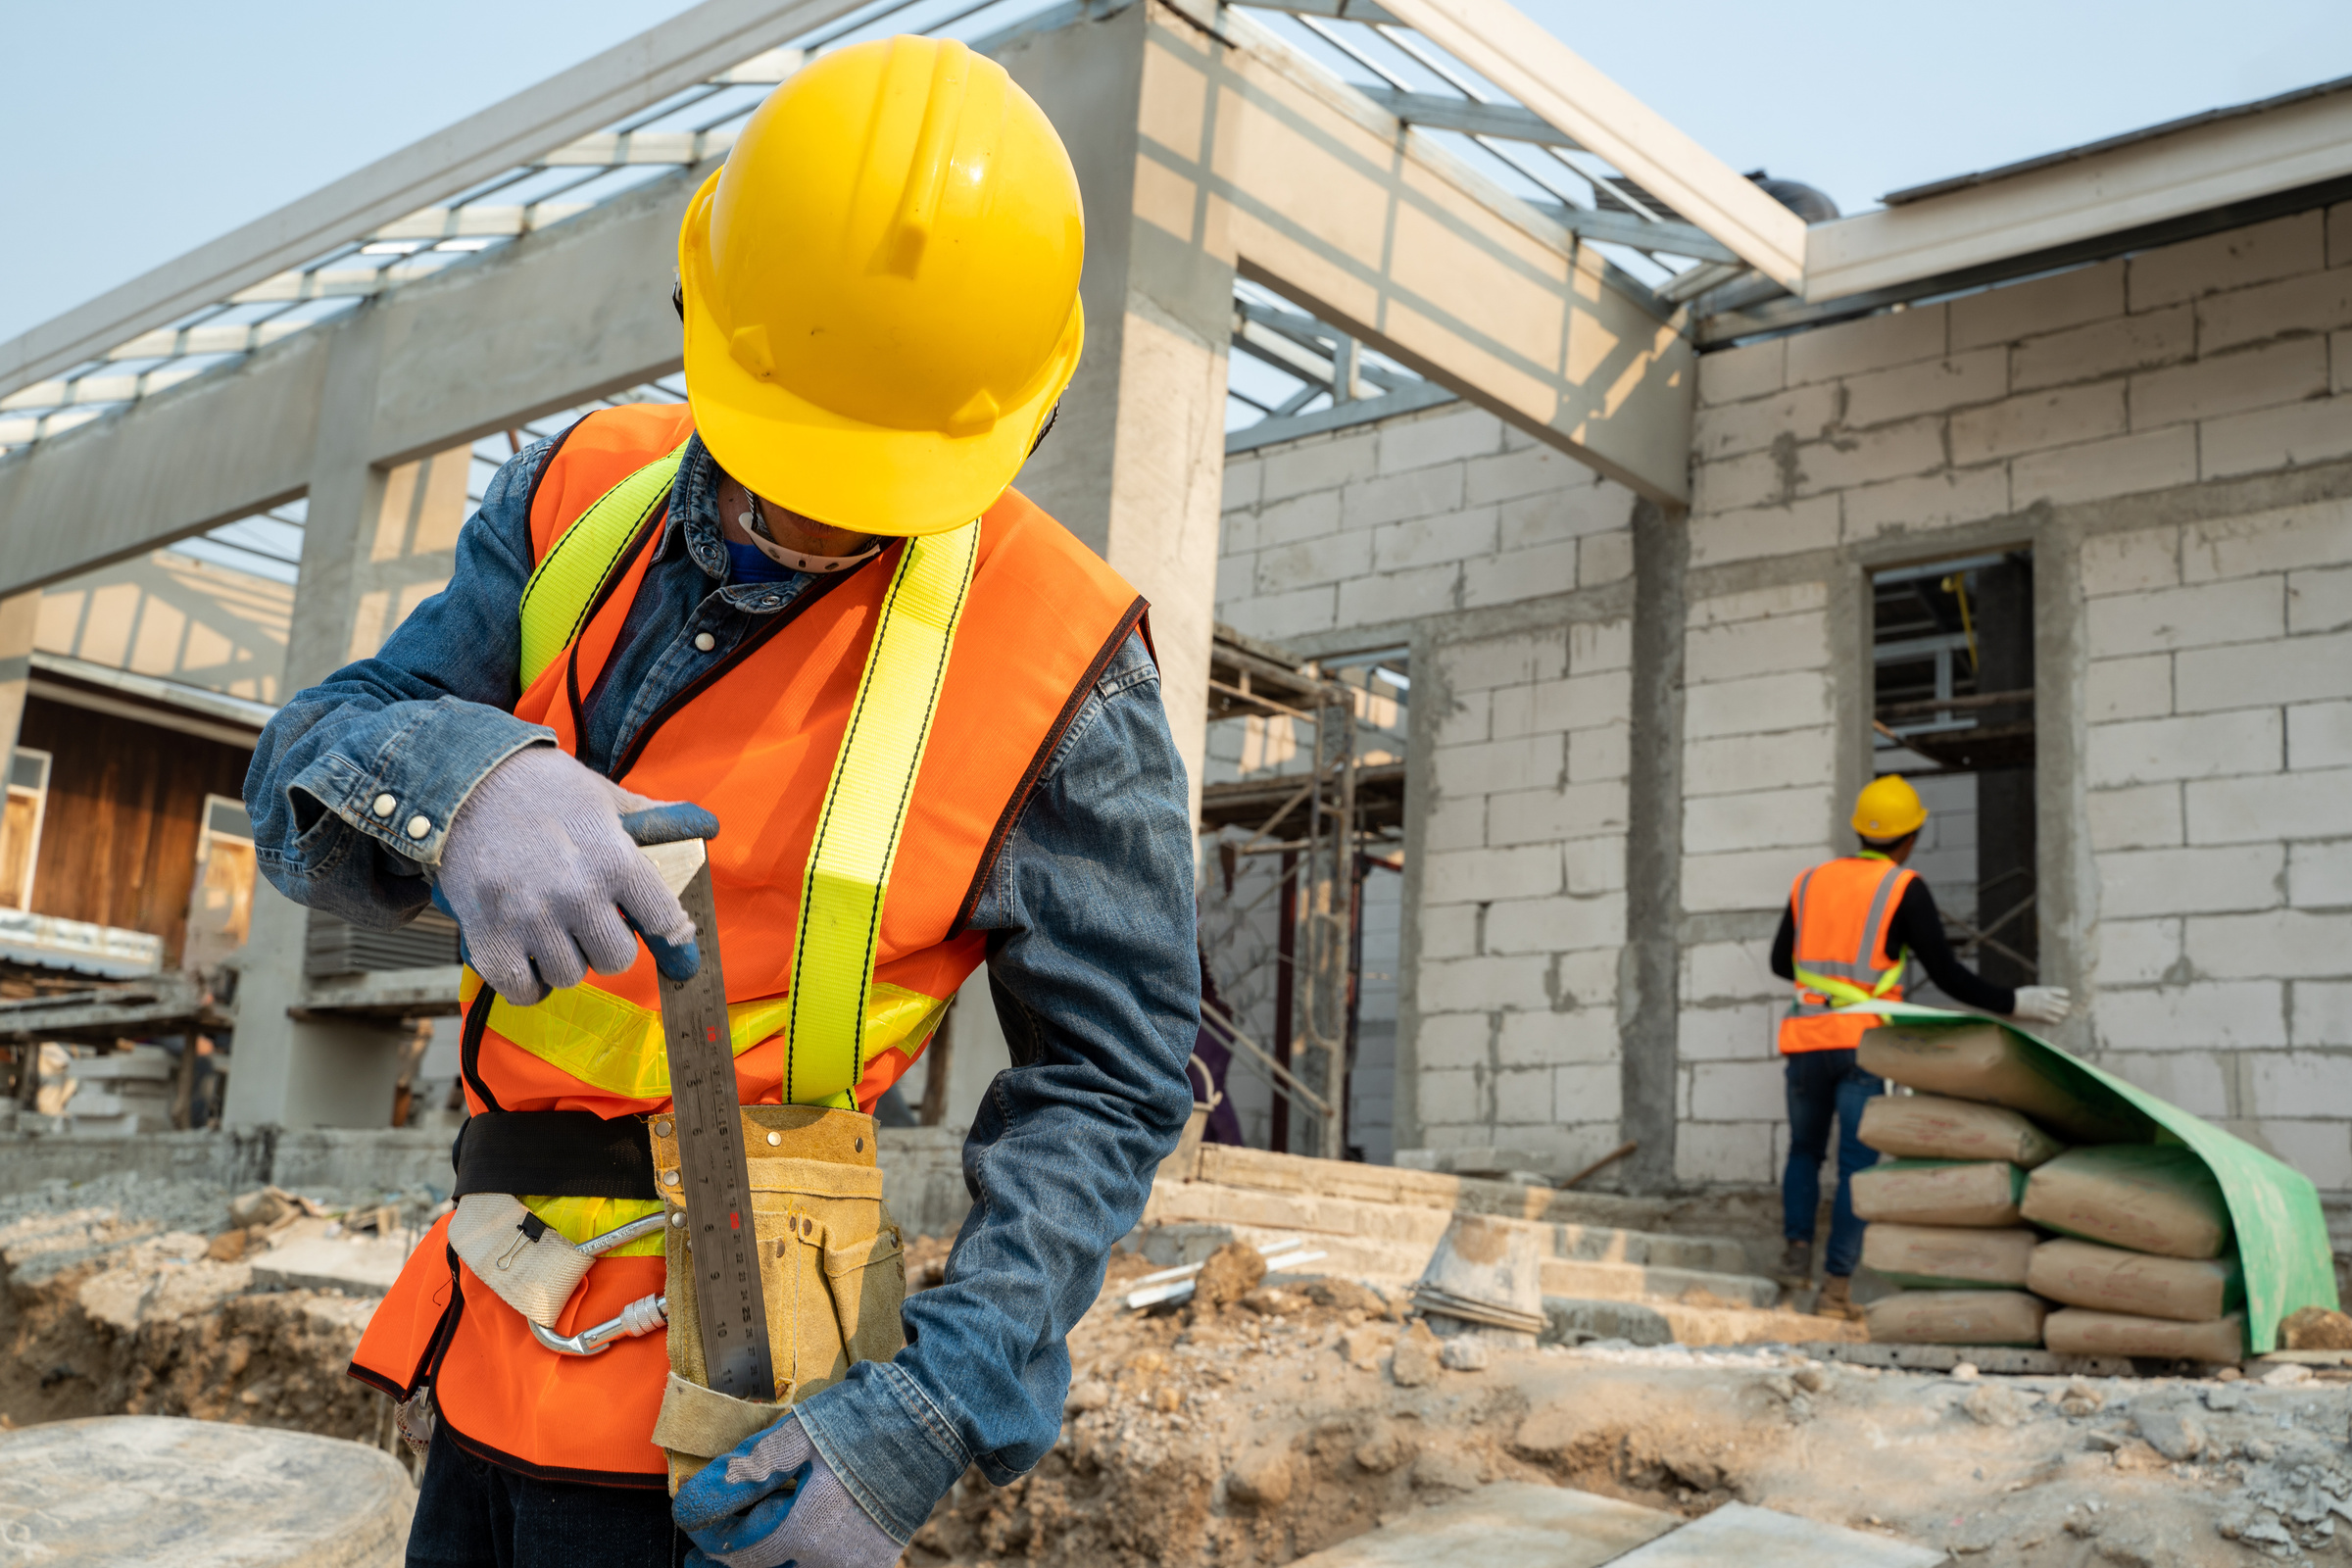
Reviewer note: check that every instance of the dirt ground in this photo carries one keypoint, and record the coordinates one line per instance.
(1282, 1420)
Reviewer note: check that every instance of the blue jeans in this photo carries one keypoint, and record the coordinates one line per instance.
(472, 1514)
(1826, 1090)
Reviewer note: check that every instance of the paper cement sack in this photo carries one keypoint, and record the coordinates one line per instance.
(1940, 1192)
(1955, 1317)
(1931, 1127)
(2150, 1197)
(1946, 1258)
(2076, 1332)
(2108, 1279)
(1984, 1063)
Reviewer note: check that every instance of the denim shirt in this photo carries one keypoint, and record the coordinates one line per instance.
(1092, 960)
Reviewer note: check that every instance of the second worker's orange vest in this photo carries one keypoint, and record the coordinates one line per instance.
(1843, 909)
(753, 740)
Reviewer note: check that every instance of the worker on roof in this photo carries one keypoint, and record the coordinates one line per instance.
(1851, 926)
(805, 604)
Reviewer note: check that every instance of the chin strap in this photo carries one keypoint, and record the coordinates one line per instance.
(755, 524)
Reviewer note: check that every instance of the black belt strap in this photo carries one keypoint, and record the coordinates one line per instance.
(566, 1154)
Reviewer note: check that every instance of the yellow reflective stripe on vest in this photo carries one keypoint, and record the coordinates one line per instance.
(615, 1046)
(1845, 990)
(866, 808)
(555, 601)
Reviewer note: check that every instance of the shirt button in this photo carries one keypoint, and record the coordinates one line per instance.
(420, 826)
(704, 641)
(382, 804)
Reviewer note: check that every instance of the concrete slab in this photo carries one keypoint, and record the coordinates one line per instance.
(139, 1490)
(356, 1265)
(1510, 1524)
(1758, 1538)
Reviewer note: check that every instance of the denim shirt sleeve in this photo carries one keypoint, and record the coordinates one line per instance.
(410, 730)
(1094, 967)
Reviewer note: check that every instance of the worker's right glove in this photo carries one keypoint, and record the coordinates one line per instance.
(546, 883)
(2043, 1005)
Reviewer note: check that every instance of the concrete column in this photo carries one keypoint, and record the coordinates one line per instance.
(285, 1070)
(19, 615)
(1648, 975)
(1136, 463)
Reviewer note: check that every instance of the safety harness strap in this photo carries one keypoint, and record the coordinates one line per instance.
(863, 814)
(564, 586)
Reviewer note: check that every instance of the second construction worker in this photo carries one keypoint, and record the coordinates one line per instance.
(1851, 926)
(928, 727)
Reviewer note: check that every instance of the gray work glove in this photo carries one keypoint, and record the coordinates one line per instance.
(772, 1501)
(544, 882)
(2043, 1005)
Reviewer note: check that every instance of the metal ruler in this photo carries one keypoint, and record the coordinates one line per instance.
(724, 1247)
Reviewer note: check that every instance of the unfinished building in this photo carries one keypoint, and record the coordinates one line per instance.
(1634, 520)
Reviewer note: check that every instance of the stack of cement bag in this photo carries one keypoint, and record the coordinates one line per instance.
(2003, 1235)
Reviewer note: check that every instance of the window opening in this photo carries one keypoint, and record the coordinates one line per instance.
(1952, 649)
(20, 826)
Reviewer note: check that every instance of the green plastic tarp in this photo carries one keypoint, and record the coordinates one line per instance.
(2273, 1208)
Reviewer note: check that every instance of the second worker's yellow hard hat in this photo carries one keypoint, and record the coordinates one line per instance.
(1889, 807)
(880, 288)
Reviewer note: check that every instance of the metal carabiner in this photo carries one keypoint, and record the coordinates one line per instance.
(639, 1317)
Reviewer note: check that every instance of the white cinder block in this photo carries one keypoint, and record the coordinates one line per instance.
(1714, 823)
(2120, 466)
(2318, 734)
(2301, 670)
(1448, 931)
(1589, 1093)
(1599, 645)
(1242, 472)
(2273, 806)
(2290, 943)
(2286, 372)
(1481, 876)
(1438, 438)
(2058, 417)
(2131, 563)
(1757, 604)
(2014, 310)
(2135, 953)
(1310, 515)
(1572, 811)
(2230, 258)
(1587, 979)
(2319, 1150)
(1927, 386)
(1929, 501)
(1734, 485)
(1325, 464)
(1480, 985)
(1454, 822)
(1455, 1042)
(2320, 875)
(1523, 1098)
(2200, 746)
(2204, 1015)
(1596, 755)
(2098, 348)
(1552, 516)
(2250, 610)
(1529, 470)
(1725, 1153)
(2319, 600)
(1728, 971)
(1279, 616)
(2193, 1080)
(1521, 574)
(1725, 431)
(1555, 924)
(1527, 761)
(2316, 301)
(1452, 1098)
(1799, 700)
(1583, 702)
(1391, 498)
(1739, 1091)
(1746, 1033)
(1334, 557)
(1752, 879)
(1604, 558)
(1399, 595)
(2127, 688)
(1871, 343)
(1790, 759)
(2319, 534)
(2323, 1012)
(1582, 1036)
(1430, 541)
(1730, 374)
(2144, 816)
(1865, 457)
(2301, 1084)
(1465, 720)
(2149, 882)
(1504, 661)
(1594, 866)
(1778, 530)
(2286, 437)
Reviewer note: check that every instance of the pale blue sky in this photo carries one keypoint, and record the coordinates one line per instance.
(141, 130)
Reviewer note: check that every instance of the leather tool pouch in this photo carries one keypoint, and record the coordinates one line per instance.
(832, 1273)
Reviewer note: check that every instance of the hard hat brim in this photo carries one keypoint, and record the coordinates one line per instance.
(838, 470)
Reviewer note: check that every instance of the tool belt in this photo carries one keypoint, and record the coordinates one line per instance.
(832, 1267)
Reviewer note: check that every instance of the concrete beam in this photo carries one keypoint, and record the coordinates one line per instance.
(1257, 154)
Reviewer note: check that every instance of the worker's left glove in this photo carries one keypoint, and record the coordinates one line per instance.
(2043, 1005)
(772, 1501)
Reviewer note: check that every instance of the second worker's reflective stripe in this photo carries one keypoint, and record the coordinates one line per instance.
(863, 812)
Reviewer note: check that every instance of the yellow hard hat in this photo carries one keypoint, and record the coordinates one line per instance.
(1889, 807)
(880, 288)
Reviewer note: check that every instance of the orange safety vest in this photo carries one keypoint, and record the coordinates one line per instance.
(1843, 909)
(754, 741)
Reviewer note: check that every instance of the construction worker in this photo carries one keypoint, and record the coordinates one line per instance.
(1851, 926)
(807, 605)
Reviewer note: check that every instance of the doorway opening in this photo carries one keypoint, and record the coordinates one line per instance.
(1952, 653)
